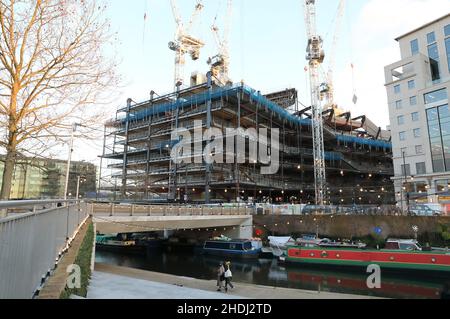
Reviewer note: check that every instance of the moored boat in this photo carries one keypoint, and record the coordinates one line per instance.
(398, 255)
(115, 244)
(237, 248)
(127, 243)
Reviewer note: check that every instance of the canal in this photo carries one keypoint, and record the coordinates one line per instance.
(268, 272)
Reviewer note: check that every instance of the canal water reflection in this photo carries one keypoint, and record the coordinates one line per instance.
(268, 272)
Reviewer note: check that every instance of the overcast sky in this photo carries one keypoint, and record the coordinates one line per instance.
(267, 47)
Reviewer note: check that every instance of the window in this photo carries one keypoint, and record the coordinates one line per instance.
(411, 84)
(431, 38)
(442, 185)
(409, 247)
(402, 136)
(433, 54)
(416, 132)
(444, 112)
(415, 116)
(434, 129)
(397, 89)
(406, 170)
(436, 96)
(419, 149)
(400, 120)
(414, 47)
(447, 30)
(439, 131)
(421, 168)
(413, 100)
(447, 48)
(398, 105)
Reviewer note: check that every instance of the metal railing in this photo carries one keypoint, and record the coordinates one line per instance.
(32, 243)
(111, 210)
(353, 210)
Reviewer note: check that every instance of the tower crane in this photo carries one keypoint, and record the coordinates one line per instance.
(184, 43)
(315, 56)
(220, 63)
(329, 95)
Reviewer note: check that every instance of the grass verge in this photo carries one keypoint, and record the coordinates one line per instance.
(83, 260)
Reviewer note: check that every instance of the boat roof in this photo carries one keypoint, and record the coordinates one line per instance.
(309, 236)
(229, 241)
(410, 241)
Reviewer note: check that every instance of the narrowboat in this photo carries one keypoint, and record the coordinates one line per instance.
(238, 248)
(114, 243)
(398, 255)
(128, 244)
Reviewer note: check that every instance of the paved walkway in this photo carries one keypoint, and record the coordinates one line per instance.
(109, 286)
(112, 282)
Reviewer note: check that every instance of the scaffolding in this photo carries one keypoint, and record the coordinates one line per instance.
(139, 144)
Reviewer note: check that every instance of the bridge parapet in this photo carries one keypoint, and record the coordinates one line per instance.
(116, 210)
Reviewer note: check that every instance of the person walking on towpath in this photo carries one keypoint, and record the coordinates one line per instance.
(228, 277)
(220, 276)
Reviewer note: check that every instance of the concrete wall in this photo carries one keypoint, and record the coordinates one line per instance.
(243, 231)
(348, 226)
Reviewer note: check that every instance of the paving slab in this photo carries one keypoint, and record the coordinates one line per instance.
(110, 286)
(128, 283)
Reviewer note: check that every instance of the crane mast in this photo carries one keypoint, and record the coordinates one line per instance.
(315, 56)
(220, 63)
(184, 43)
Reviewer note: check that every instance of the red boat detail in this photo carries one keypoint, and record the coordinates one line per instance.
(353, 257)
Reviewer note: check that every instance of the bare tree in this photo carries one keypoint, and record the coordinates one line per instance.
(53, 69)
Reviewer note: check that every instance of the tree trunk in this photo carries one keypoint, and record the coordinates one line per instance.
(11, 149)
(8, 172)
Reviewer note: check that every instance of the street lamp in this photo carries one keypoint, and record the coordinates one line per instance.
(78, 185)
(74, 128)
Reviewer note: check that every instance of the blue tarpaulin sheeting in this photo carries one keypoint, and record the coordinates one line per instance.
(215, 95)
(171, 106)
(363, 141)
(333, 156)
(255, 96)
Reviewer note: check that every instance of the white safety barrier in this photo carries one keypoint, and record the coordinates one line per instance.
(31, 244)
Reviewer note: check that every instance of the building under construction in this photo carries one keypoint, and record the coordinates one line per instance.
(138, 146)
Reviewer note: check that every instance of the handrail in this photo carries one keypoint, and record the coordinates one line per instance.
(32, 244)
(24, 203)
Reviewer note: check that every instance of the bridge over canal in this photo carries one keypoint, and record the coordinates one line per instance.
(110, 218)
(35, 236)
